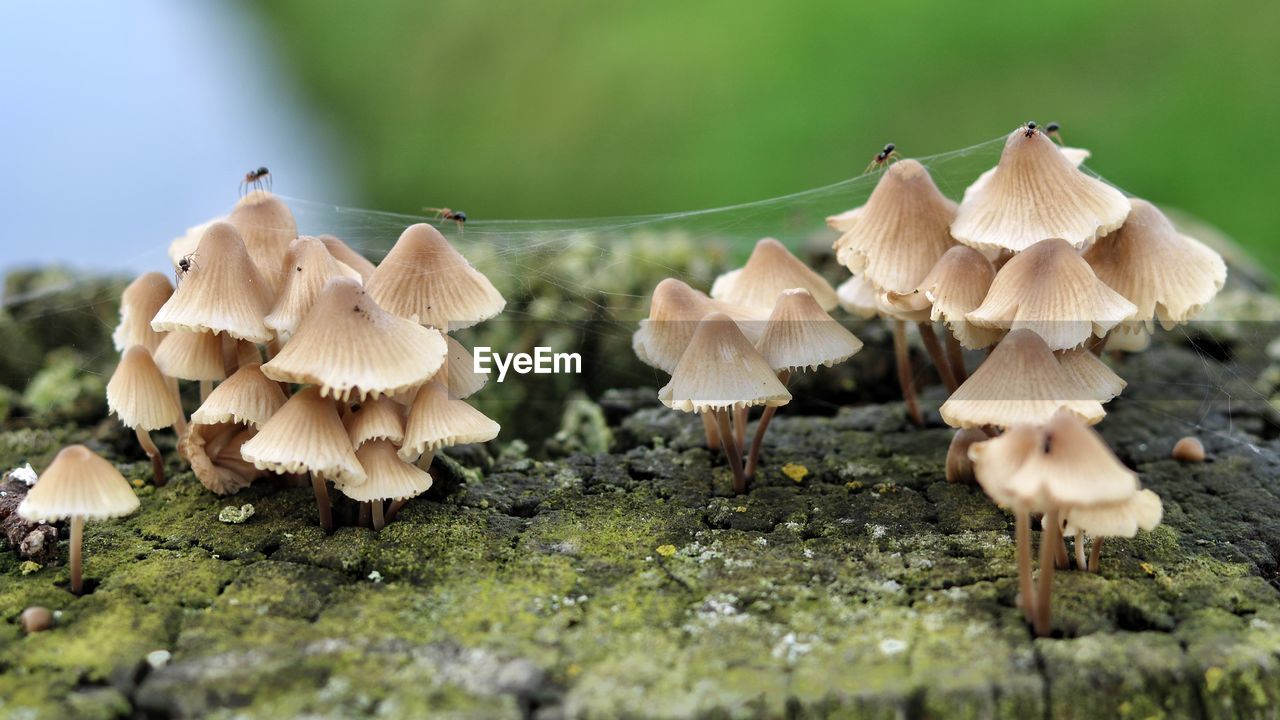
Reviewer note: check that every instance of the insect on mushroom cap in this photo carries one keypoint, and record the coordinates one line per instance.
(139, 394)
(721, 369)
(770, 270)
(800, 335)
(78, 483)
(138, 305)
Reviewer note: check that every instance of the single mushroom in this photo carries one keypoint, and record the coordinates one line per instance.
(79, 485)
(308, 266)
(227, 419)
(198, 356)
(379, 419)
(1189, 449)
(267, 226)
(143, 399)
(458, 373)
(770, 270)
(185, 245)
(138, 305)
(959, 468)
(390, 478)
(858, 297)
(347, 256)
(1140, 511)
(954, 287)
(1091, 373)
(994, 464)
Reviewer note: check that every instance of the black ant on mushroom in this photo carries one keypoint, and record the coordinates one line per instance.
(882, 158)
(256, 180)
(444, 213)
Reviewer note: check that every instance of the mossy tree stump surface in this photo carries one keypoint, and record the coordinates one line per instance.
(851, 581)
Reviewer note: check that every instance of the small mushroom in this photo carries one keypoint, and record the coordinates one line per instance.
(308, 267)
(770, 270)
(858, 297)
(344, 254)
(674, 313)
(955, 287)
(458, 373)
(438, 421)
(1091, 373)
(390, 478)
(1140, 511)
(1189, 450)
(187, 355)
(959, 468)
(79, 485)
(267, 226)
(138, 305)
(380, 419)
(143, 400)
(36, 619)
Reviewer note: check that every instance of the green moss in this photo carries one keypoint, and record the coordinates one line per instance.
(63, 389)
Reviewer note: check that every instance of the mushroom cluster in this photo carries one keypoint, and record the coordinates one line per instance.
(309, 358)
(737, 348)
(1040, 264)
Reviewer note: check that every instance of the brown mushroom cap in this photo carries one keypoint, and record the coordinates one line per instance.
(996, 461)
(1050, 289)
(214, 452)
(1077, 156)
(1021, 382)
(138, 305)
(191, 356)
(721, 369)
(78, 483)
(1141, 511)
(352, 348)
(139, 394)
(267, 226)
(306, 435)
(959, 468)
(770, 270)
(390, 478)
(955, 287)
(222, 292)
(674, 312)
(247, 397)
(801, 335)
(1070, 466)
(187, 244)
(901, 232)
(458, 373)
(438, 421)
(344, 254)
(308, 266)
(844, 221)
(380, 419)
(1091, 374)
(425, 279)
(858, 297)
(1167, 275)
(1036, 192)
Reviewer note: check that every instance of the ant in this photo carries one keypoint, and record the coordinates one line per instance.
(445, 213)
(255, 179)
(1052, 130)
(1029, 130)
(882, 158)
(185, 264)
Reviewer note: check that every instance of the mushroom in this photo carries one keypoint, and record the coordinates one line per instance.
(79, 485)
(994, 463)
(347, 256)
(185, 246)
(308, 267)
(799, 335)
(721, 371)
(1091, 373)
(143, 400)
(1036, 192)
(138, 304)
(1140, 511)
(187, 355)
(770, 270)
(858, 297)
(390, 478)
(352, 348)
(380, 419)
(1021, 382)
(458, 373)
(228, 418)
(267, 226)
(307, 435)
(246, 398)
(954, 287)
(959, 468)
(1050, 289)
(423, 278)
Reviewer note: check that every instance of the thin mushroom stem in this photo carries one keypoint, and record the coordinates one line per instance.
(1026, 587)
(157, 460)
(955, 356)
(731, 450)
(1095, 554)
(1061, 558)
(379, 521)
(395, 506)
(362, 520)
(322, 501)
(206, 387)
(713, 435)
(1050, 537)
(1081, 563)
(77, 540)
(753, 455)
(740, 415)
(936, 353)
(904, 373)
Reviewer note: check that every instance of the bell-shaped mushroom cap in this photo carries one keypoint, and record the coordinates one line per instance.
(186, 244)
(996, 461)
(1051, 290)
(844, 221)
(267, 226)
(1141, 511)
(1092, 374)
(908, 307)
(222, 292)
(344, 254)
(1077, 156)
(247, 397)
(139, 394)
(902, 230)
(245, 352)
(191, 356)
(380, 419)
(955, 287)
(139, 303)
(1071, 466)
(425, 279)
(1129, 342)
(770, 270)
(390, 478)
(352, 348)
(308, 266)
(458, 373)
(1021, 382)
(1166, 274)
(1037, 192)
(674, 312)
(306, 435)
(78, 483)
(800, 335)
(721, 369)
(438, 421)
(858, 297)
(214, 454)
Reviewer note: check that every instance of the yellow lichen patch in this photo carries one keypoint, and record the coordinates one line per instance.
(795, 471)
(740, 508)
(27, 567)
(1148, 568)
(1213, 678)
(666, 550)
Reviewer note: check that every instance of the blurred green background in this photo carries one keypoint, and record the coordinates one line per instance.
(556, 108)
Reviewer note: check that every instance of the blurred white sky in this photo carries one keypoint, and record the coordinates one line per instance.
(123, 123)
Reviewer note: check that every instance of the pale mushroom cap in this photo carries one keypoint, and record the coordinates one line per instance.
(439, 421)
(352, 348)
(721, 369)
(1135, 341)
(139, 303)
(1142, 511)
(306, 435)
(1037, 192)
(191, 356)
(955, 287)
(1071, 466)
(308, 266)
(1051, 290)
(425, 279)
(1167, 275)
(246, 353)
(770, 270)
(78, 483)
(902, 230)
(1077, 156)
(995, 461)
(222, 292)
(225, 471)
(844, 221)
(346, 255)
(674, 312)
(186, 244)
(858, 297)
(247, 398)
(458, 373)
(1021, 382)
(911, 307)
(390, 478)
(267, 226)
(1092, 374)
(139, 394)
(801, 335)
(381, 419)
